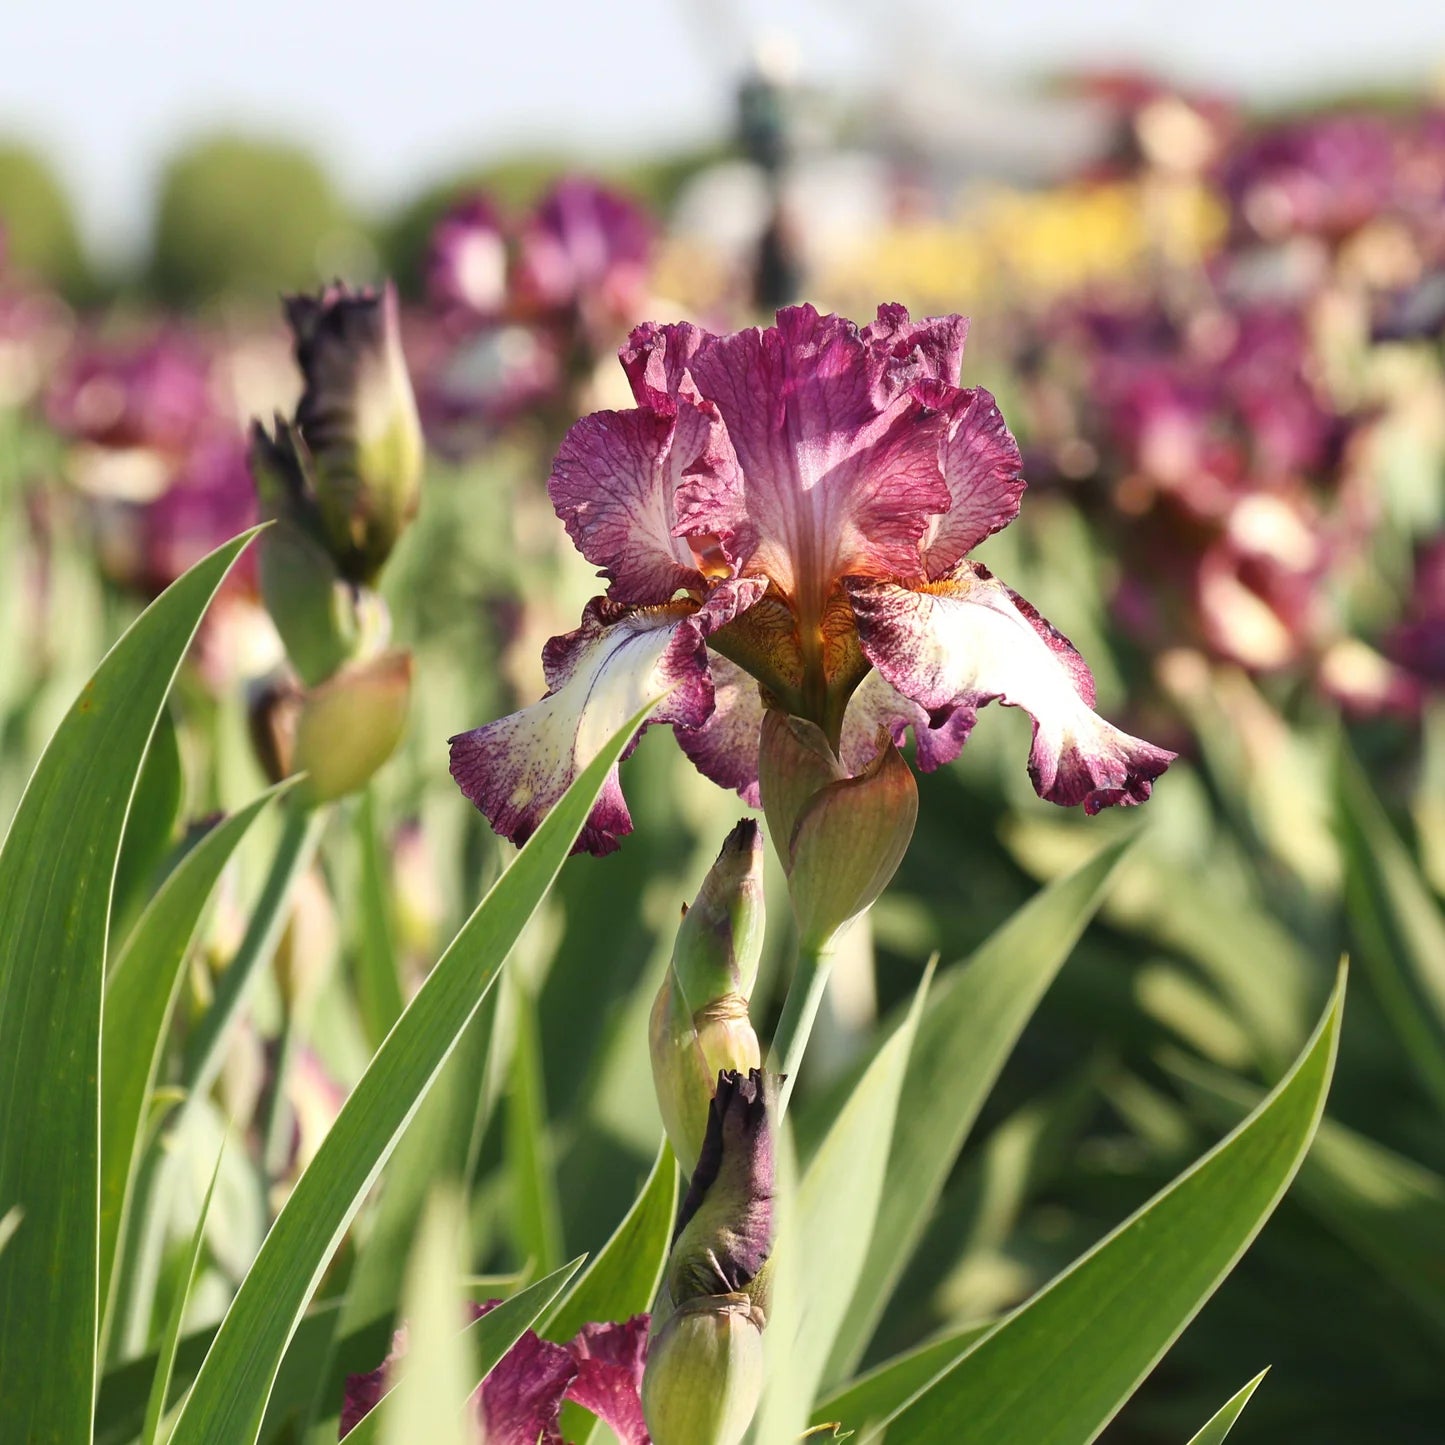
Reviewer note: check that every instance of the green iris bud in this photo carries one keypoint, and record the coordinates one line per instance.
(350, 725)
(358, 418)
(840, 838)
(325, 621)
(700, 1023)
(704, 1373)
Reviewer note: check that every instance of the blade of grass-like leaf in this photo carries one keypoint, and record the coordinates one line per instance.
(9, 1223)
(301, 831)
(166, 1360)
(228, 1399)
(437, 1145)
(882, 1390)
(975, 1016)
(536, 1214)
(1222, 1422)
(427, 1399)
(149, 826)
(1398, 927)
(623, 1278)
(495, 1333)
(1387, 1208)
(139, 996)
(838, 1204)
(315, 1349)
(1057, 1370)
(57, 870)
(378, 985)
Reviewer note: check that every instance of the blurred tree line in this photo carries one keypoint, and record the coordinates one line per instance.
(239, 217)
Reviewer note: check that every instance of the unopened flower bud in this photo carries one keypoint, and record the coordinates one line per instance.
(358, 418)
(351, 724)
(700, 1023)
(324, 620)
(840, 838)
(704, 1373)
(724, 1232)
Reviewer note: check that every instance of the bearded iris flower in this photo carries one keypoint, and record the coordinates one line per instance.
(783, 521)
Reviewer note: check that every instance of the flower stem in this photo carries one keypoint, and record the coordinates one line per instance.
(800, 1011)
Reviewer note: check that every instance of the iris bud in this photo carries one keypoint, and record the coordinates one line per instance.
(700, 1023)
(358, 418)
(324, 620)
(724, 1230)
(840, 838)
(704, 1373)
(351, 724)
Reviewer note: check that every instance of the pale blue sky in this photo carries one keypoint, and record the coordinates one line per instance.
(393, 94)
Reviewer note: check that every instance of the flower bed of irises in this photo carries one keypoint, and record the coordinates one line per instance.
(588, 865)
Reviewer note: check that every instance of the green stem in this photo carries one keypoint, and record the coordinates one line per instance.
(300, 835)
(800, 1012)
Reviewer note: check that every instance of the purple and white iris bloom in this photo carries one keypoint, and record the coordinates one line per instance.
(784, 520)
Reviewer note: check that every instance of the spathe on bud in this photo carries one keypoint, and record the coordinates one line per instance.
(350, 725)
(358, 418)
(840, 837)
(704, 1373)
(700, 1023)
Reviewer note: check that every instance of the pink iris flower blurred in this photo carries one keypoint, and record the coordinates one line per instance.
(520, 1402)
(784, 519)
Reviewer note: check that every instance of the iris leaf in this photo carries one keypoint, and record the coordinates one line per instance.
(57, 871)
(228, 1399)
(1058, 1369)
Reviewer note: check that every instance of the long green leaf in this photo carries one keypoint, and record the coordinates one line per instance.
(228, 1399)
(837, 1207)
(1387, 1208)
(974, 1018)
(378, 984)
(1222, 1421)
(1398, 927)
(56, 876)
(139, 996)
(170, 1339)
(536, 1212)
(1057, 1370)
(876, 1395)
(623, 1278)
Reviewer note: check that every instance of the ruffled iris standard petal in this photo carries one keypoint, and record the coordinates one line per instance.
(836, 482)
(966, 640)
(983, 470)
(517, 768)
(613, 485)
(927, 350)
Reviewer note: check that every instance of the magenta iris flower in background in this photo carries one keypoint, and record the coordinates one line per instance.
(784, 519)
(520, 1402)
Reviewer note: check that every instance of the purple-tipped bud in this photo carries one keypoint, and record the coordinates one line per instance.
(840, 838)
(724, 1230)
(358, 419)
(700, 1023)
